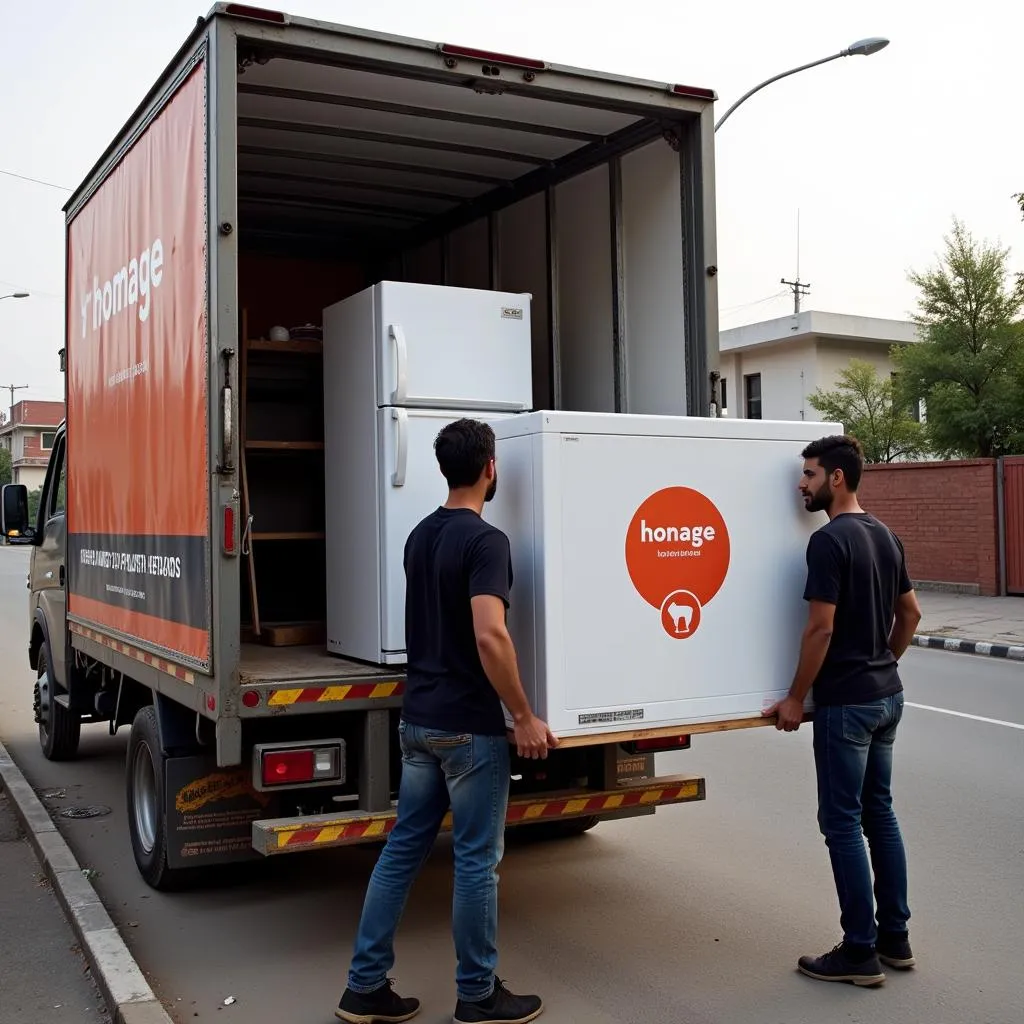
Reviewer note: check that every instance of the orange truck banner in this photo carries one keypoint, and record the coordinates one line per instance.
(138, 468)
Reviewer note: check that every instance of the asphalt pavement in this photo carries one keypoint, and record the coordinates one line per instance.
(693, 916)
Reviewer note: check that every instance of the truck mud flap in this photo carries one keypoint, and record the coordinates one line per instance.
(318, 832)
(210, 812)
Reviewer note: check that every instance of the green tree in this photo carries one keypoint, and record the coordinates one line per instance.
(34, 497)
(6, 472)
(867, 407)
(969, 364)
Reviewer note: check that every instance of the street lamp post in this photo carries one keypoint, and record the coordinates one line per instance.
(863, 47)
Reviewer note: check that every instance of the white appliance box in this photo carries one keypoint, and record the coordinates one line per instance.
(659, 564)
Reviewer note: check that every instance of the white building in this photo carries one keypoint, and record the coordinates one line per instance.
(770, 368)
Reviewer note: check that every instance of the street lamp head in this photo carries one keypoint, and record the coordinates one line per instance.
(866, 47)
(15, 295)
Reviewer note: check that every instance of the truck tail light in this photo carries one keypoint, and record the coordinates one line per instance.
(658, 745)
(291, 766)
(287, 766)
(469, 53)
(257, 13)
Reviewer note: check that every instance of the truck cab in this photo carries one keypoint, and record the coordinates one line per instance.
(58, 719)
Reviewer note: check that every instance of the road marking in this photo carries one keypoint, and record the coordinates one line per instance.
(963, 714)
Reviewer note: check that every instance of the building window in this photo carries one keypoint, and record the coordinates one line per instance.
(725, 396)
(752, 388)
(46, 439)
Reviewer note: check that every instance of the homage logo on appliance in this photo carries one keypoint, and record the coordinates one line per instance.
(677, 555)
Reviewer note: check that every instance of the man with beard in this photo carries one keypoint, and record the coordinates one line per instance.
(862, 617)
(454, 740)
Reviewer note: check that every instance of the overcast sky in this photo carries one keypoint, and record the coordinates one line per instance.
(877, 153)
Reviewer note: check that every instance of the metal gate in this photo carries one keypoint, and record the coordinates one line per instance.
(1013, 523)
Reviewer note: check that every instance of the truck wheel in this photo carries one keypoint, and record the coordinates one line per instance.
(147, 814)
(59, 728)
(567, 829)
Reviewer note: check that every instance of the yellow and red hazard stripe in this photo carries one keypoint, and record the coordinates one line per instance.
(286, 838)
(320, 694)
(167, 667)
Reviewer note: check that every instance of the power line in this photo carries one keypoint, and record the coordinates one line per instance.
(36, 181)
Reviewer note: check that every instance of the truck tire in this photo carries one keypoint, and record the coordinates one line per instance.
(147, 812)
(567, 829)
(59, 728)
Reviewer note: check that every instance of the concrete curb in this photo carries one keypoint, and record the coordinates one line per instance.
(125, 989)
(960, 646)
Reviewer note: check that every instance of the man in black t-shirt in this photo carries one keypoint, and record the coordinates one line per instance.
(862, 616)
(455, 745)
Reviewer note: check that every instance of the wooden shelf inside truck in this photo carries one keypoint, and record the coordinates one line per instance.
(284, 446)
(299, 348)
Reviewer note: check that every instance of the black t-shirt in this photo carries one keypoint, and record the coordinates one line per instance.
(856, 563)
(451, 557)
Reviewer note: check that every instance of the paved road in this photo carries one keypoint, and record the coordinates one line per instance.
(693, 916)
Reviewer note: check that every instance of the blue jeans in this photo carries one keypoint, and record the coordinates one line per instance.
(470, 774)
(853, 746)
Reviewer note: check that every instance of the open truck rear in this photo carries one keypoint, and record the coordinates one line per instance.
(278, 166)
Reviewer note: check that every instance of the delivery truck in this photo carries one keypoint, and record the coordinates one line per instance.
(252, 268)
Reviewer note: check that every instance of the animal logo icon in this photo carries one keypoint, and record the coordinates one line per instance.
(681, 615)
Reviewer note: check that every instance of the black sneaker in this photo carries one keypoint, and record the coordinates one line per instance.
(501, 1007)
(836, 965)
(894, 950)
(382, 1006)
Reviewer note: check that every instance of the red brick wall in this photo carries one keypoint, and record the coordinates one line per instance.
(945, 513)
(33, 445)
(50, 413)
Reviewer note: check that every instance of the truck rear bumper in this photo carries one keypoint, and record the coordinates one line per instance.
(289, 835)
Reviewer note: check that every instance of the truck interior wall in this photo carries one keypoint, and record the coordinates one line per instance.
(468, 262)
(652, 290)
(523, 267)
(584, 252)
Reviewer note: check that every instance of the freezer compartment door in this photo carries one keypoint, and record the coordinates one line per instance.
(453, 348)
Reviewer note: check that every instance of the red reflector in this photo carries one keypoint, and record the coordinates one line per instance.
(495, 58)
(229, 529)
(242, 11)
(665, 743)
(251, 698)
(695, 92)
(287, 766)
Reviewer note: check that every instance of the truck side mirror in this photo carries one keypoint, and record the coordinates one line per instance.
(14, 510)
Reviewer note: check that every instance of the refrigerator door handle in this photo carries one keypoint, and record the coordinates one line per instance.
(398, 396)
(401, 448)
(483, 405)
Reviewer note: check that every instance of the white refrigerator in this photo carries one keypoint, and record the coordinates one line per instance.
(659, 565)
(400, 361)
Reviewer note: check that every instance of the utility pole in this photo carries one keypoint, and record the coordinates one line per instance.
(12, 388)
(799, 288)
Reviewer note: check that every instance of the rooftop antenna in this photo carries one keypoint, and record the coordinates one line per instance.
(798, 287)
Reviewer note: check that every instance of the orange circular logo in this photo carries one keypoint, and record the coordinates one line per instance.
(677, 555)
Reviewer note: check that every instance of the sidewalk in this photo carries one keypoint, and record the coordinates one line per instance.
(998, 621)
(43, 976)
